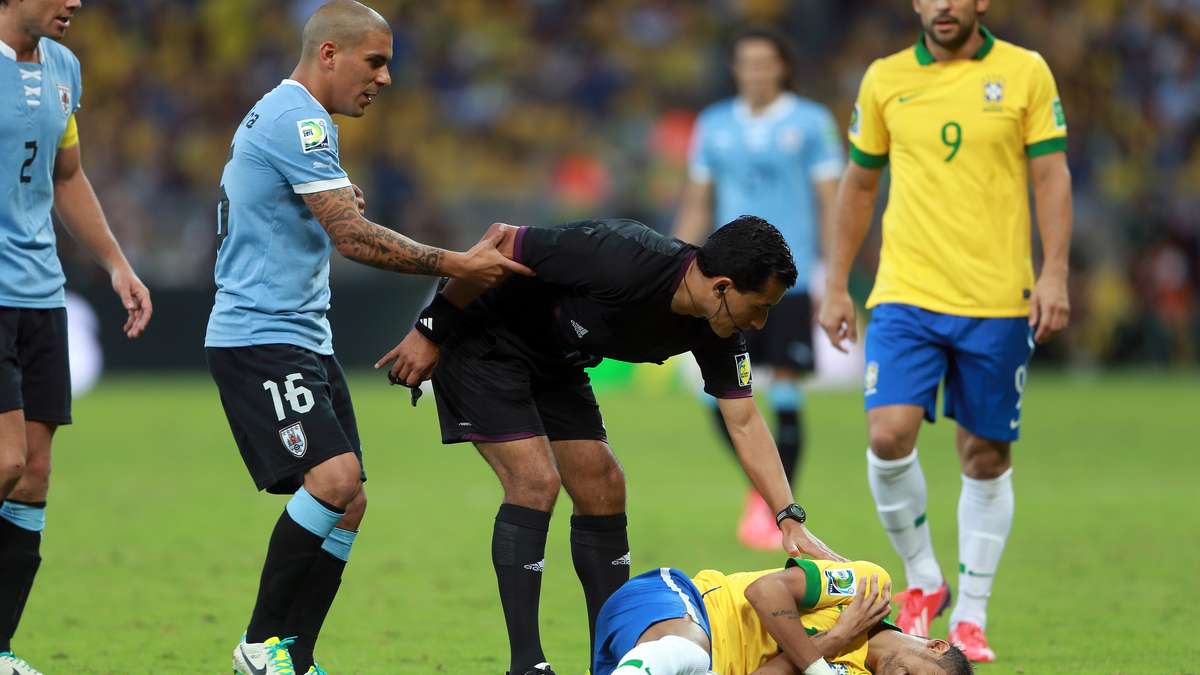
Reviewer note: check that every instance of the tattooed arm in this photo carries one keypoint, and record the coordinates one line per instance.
(774, 598)
(370, 244)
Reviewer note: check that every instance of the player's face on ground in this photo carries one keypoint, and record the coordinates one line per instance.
(949, 23)
(758, 68)
(361, 72)
(47, 18)
(746, 311)
(916, 657)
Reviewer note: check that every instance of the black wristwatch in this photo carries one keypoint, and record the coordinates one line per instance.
(793, 511)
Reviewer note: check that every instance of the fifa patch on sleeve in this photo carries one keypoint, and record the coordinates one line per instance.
(744, 374)
(314, 135)
(839, 582)
(855, 116)
(1060, 119)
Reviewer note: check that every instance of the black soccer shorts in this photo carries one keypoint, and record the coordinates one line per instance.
(491, 390)
(787, 339)
(35, 370)
(289, 409)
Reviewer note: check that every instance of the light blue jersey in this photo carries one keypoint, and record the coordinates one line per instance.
(766, 165)
(37, 100)
(273, 265)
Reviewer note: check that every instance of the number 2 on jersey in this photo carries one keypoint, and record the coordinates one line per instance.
(31, 146)
(951, 138)
(300, 398)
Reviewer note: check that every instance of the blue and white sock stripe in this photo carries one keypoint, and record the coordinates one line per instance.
(311, 514)
(24, 516)
(338, 543)
(665, 572)
(786, 395)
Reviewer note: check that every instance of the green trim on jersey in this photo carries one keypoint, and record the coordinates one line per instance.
(866, 160)
(812, 581)
(925, 57)
(1046, 147)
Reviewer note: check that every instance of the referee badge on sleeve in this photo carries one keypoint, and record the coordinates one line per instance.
(744, 375)
(294, 440)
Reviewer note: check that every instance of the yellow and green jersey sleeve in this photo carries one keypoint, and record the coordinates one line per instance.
(70, 137)
(740, 643)
(958, 137)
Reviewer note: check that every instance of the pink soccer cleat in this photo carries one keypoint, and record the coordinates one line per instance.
(970, 639)
(918, 608)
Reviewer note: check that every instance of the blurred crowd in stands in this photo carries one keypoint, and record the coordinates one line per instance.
(538, 111)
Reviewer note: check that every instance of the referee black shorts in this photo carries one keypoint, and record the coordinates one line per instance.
(289, 409)
(35, 371)
(493, 389)
(787, 339)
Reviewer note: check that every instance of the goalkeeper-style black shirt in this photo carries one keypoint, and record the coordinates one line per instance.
(603, 290)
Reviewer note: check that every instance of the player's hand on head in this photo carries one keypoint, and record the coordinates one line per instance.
(412, 361)
(1049, 308)
(836, 317)
(360, 200)
(486, 263)
(798, 540)
(871, 604)
(135, 298)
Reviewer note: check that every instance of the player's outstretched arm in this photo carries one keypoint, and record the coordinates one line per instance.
(1050, 306)
(851, 221)
(756, 451)
(775, 599)
(370, 244)
(80, 211)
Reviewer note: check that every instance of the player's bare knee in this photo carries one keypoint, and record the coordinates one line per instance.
(890, 443)
(336, 481)
(983, 459)
(12, 467)
(534, 489)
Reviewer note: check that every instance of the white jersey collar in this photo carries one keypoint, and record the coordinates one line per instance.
(11, 53)
(774, 111)
(294, 83)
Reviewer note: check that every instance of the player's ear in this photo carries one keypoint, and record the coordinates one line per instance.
(937, 646)
(327, 52)
(722, 285)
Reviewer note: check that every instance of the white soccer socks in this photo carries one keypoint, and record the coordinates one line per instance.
(669, 655)
(985, 515)
(898, 486)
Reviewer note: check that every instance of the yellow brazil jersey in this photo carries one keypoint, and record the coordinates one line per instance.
(740, 644)
(958, 134)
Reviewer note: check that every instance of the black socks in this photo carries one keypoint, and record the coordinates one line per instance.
(518, 554)
(600, 551)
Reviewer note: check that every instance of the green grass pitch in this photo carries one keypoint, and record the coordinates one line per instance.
(156, 536)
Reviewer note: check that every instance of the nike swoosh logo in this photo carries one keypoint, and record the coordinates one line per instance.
(906, 99)
(1013, 424)
(254, 670)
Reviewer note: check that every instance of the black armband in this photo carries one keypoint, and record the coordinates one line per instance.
(439, 319)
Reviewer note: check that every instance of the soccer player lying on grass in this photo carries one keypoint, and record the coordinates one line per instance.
(510, 377)
(814, 617)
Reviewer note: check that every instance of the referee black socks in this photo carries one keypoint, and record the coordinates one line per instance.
(600, 551)
(295, 545)
(518, 554)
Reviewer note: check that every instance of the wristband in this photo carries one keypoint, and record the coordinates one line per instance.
(439, 319)
(819, 667)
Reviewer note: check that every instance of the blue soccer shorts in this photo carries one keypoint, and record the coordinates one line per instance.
(647, 599)
(983, 361)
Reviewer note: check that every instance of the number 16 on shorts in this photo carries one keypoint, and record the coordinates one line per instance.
(300, 398)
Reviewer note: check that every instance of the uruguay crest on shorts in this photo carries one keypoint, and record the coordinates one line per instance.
(294, 440)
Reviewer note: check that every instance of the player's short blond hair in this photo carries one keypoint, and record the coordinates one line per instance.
(342, 22)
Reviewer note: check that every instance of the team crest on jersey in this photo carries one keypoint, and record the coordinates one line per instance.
(64, 97)
(993, 93)
(745, 375)
(294, 439)
(855, 116)
(314, 135)
(871, 378)
(839, 669)
(839, 582)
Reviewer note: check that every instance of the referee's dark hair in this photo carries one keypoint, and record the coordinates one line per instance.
(783, 47)
(748, 250)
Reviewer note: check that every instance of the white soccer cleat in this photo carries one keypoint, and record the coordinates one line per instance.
(16, 665)
(263, 658)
